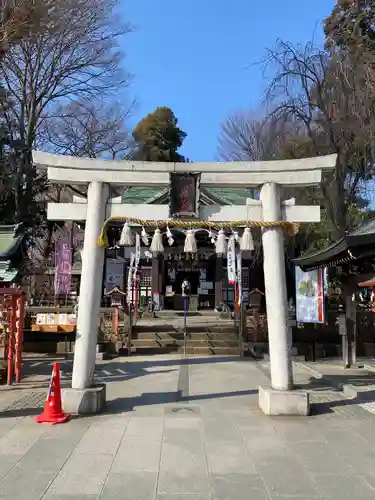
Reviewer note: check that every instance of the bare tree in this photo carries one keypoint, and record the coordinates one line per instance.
(89, 128)
(76, 57)
(250, 136)
(20, 19)
(331, 96)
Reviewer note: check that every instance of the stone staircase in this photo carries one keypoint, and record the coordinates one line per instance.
(207, 334)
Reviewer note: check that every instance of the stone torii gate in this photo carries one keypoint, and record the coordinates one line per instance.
(100, 175)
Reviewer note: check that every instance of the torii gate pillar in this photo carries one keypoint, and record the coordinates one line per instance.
(90, 289)
(275, 288)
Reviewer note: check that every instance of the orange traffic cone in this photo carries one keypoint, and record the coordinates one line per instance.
(53, 413)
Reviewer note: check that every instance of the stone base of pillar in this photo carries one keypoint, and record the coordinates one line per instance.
(88, 401)
(278, 403)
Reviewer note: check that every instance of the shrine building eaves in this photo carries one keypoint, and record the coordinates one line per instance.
(357, 245)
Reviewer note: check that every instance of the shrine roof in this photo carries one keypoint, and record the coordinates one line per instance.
(356, 245)
(141, 195)
(10, 241)
(7, 272)
(227, 196)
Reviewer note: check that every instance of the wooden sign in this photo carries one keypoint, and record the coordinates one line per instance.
(184, 195)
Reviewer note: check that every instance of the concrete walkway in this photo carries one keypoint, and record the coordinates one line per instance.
(182, 430)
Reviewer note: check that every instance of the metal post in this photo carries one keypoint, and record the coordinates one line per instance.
(186, 307)
(354, 344)
(130, 329)
(345, 351)
(343, 331)
(241, 329)
(136, 297)
(235, 304)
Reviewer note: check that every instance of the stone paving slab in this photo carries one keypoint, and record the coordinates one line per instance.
(195, 436)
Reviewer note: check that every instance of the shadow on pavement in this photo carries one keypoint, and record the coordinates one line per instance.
(119, 370)
(328, 407)
(18, 413)
(126, 404)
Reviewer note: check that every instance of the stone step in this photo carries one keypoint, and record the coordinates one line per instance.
(192, 328)
(191, 343)
(191, 351)
(166, 313)
(179, 335)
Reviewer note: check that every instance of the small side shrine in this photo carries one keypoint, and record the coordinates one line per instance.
(117, 297)
(352, 259)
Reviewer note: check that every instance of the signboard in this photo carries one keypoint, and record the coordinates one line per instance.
(114, 274)
(184, 195)
(61, 319)
(63, 272)
(310, 296)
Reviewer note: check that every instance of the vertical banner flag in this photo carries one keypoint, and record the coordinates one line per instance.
(130, 277)
(137, 251)
(239, 277)
(63, 273)
(310, 296)
(325, 277)
(231, 260)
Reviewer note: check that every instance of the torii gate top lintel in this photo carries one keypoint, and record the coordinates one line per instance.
(70, 169)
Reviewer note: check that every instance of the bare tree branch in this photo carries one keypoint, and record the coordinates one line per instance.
(332, 96)
(95, 129)
(74, 57)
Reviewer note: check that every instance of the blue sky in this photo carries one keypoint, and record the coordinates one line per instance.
(197, 57)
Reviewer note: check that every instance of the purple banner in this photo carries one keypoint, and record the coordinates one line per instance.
(63, 273)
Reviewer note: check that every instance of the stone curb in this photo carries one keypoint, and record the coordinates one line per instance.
(348, 390)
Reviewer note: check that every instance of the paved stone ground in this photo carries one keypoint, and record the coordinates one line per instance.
(186, 429)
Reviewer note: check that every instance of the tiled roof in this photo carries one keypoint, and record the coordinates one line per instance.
(357, 244)
(367, 227)
(10, 240)
(7, 273)
(232, 196)
(141, 195)
(229, 196)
